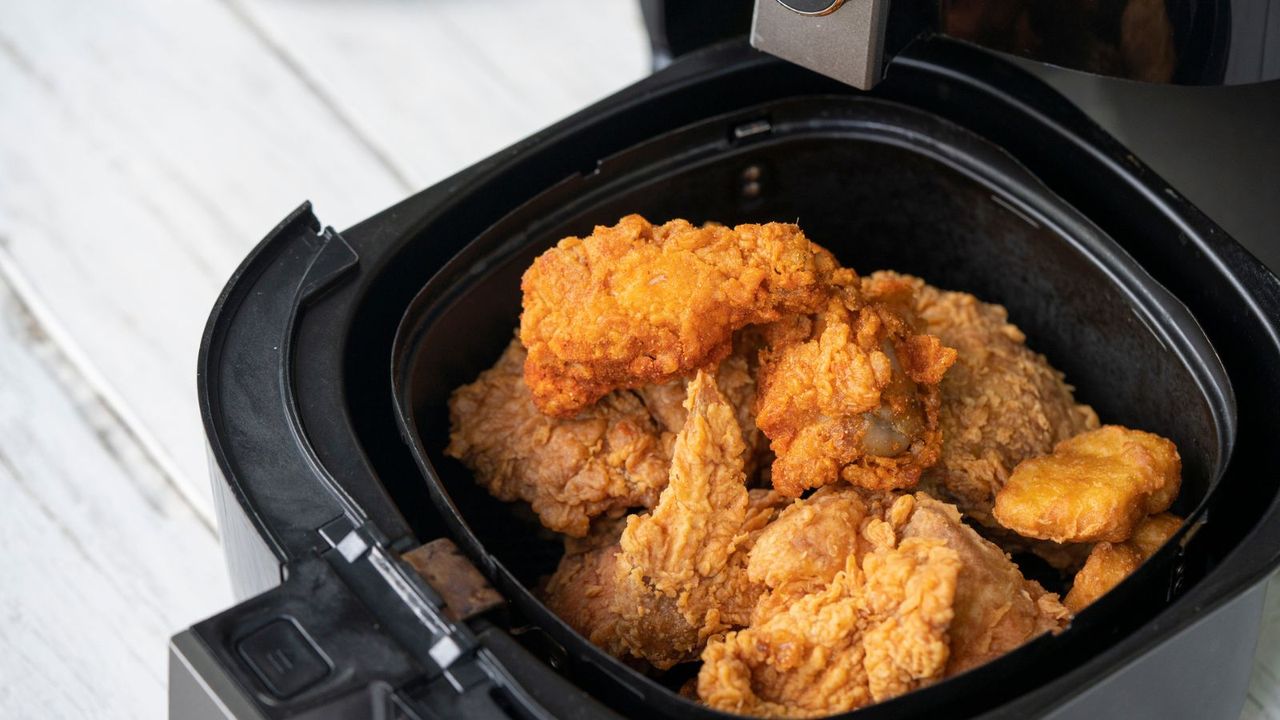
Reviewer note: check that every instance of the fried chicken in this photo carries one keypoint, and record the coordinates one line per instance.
(1110, 563)
(676, 576)
(827, 638)
(851, 392)
(638, 304)
(1001, 402)
(996, 608)
(1094, 487)
(611, 457)
(876, 631)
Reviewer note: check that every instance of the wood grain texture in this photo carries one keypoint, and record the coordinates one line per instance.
(103, 558)
(148, 145)
(438, 85)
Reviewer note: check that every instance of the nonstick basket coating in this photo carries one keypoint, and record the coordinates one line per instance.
(882, 186)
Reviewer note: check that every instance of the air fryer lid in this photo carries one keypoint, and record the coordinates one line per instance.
(882, 186)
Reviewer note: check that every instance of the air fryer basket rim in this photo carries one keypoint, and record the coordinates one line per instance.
(1065, 220)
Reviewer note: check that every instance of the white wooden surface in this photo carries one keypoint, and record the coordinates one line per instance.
(145, 145)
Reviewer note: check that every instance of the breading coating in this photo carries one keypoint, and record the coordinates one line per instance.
(877, 630)
(851, 392)
(611, 457)
(676, 576)
(638, 304)
(1095, 487)
(1110, 563)
(1002, 403)
(827, 638)
(996, 608)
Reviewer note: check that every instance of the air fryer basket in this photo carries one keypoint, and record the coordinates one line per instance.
(882, 186)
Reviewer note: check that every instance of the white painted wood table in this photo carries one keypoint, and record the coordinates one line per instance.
(145, 145)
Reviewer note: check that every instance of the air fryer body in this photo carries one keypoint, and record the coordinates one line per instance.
(318, 492)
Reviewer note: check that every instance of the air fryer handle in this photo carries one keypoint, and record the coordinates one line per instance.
(1186, 42)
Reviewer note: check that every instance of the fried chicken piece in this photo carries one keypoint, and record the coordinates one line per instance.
(996, 608)
(1094, 487)
(1110, 563)
(817, 646)
(812, 539)
(676, 576)
(851, 392)
(1002, 403)
(638, 304)
(736, 380)
(612, 457)
(876, 631)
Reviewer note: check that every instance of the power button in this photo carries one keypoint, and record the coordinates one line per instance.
(283, 657)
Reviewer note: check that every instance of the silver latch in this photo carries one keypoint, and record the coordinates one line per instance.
(842, 39)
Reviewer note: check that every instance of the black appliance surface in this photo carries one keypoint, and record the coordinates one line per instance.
(319, 493)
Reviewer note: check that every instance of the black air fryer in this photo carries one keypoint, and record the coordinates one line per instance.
(378, 581)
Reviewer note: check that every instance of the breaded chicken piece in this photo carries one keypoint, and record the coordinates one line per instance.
(878, 630)
(638, 304)
(677, 575)
(811, 540)
(851, 392)
(817, 646)
(736, 380)
(1110, 563)
(611, 457)
(1094, 487)
(996, 608)
(1002, 403)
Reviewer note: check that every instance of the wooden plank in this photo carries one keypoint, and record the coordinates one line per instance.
(147, 146)
(439, 85)
(103, 558)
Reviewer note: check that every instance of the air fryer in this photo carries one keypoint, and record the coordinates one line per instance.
(328, 360)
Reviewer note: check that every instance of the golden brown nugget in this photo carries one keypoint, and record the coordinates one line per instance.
(1110, 563)
(1095, 487)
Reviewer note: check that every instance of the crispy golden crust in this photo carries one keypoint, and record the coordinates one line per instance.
(637, 304)
(1001, 402)
(612, 457)
(1095, 487)
(675, 576)
(827, 638)
(851, 392)
(876, 631)
(1110, 563)
(996, 608)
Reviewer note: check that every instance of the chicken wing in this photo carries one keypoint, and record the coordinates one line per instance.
(611, 457)
(1110, 563)
(851, 392)
(637, 304)
(1094, 487)
(675, 576)
(1001, 402)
